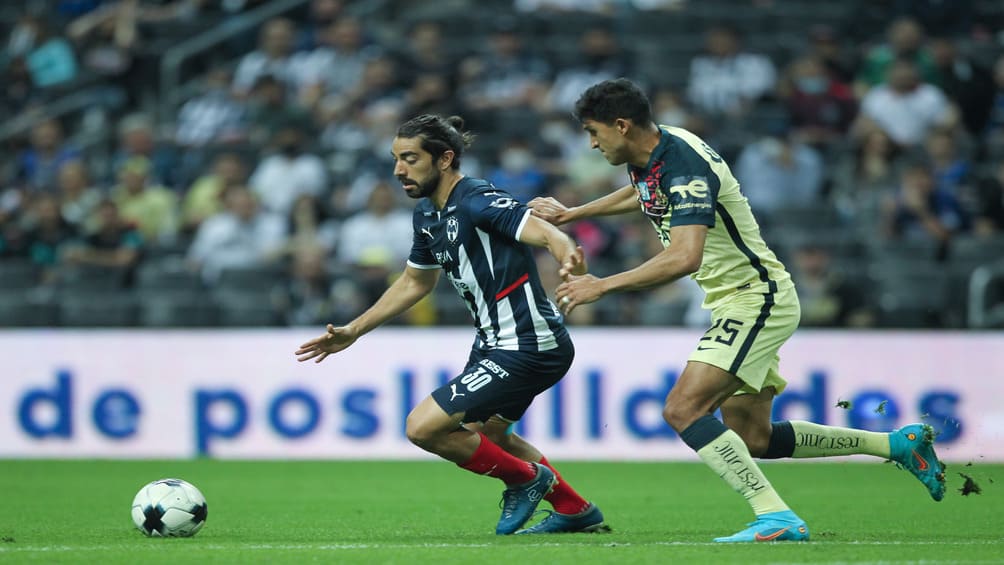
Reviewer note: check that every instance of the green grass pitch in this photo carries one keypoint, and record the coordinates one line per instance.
(432, 512)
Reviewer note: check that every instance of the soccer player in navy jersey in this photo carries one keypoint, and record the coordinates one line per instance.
(707, 230)
(481, 238)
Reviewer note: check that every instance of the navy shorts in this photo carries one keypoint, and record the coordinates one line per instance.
(503, 382)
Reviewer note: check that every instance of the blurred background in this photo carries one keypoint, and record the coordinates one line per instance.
(225, 163)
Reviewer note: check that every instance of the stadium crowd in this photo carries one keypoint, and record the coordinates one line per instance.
(868, 137)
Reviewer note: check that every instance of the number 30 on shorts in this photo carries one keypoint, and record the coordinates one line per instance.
(476, 379)
(726, 329)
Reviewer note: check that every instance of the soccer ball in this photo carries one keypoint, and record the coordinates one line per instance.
(169, 508)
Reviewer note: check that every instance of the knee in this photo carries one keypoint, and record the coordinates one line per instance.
(421, 433)
(678, 415)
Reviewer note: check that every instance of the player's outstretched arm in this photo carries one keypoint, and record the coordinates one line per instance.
(539, 233)
(409, 288)
(620, 201)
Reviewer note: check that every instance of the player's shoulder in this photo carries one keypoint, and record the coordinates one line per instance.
(686, 147)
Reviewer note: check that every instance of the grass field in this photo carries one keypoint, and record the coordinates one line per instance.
(430, 512)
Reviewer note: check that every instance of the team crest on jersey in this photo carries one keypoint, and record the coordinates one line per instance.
(452, 229)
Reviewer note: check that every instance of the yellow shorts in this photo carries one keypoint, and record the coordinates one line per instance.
(746, 333)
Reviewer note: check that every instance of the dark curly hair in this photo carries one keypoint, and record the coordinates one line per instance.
(439, 135)
(609, 100)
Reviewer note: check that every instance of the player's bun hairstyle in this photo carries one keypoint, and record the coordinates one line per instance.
(439, 135)
(612, 99)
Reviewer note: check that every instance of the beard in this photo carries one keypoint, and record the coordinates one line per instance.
(422, 189)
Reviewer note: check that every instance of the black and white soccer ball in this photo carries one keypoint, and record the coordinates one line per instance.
(169, 508)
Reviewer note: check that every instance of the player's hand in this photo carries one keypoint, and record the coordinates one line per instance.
(548, 209)
(577, 290)
(574, 264)
(333, 341)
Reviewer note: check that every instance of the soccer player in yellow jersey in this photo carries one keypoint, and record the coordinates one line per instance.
(708, 232)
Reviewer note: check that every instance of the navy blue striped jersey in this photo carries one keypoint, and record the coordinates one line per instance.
(474, 239)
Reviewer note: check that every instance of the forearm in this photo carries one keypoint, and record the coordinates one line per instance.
(661, 269)
(402, 295)
(621, 201)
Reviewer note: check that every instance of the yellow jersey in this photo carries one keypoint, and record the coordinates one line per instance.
(687, 183)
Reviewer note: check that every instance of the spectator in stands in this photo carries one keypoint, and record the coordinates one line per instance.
(48, 232)
(990, 209)
(323, 13)
(429, 94)
(426, 52)
(506, 76)
(828, 298)
(904, 42)
(113, 243)
(269, 109)
(137, 138)
(289, 172)
(951, 170)
(205, 197)
(922, 211)
(377, 240)
(336, 67)
(78, 199)
(968, 84)
(994, 132)
(213, 116)
(778, 172)
(865, 181)
(18, 92)
(821, 108)
(241, 236)
(518, 171)
(275, 45)
(51, 61)
(825, 46)
(38, 165)
(600, 58)
(904, 107)
(670, 109)
(152, 208)
(725, 79)
(107, 36)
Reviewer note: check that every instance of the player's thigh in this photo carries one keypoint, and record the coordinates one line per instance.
(502, 383)
(746, 333)
(428, 420)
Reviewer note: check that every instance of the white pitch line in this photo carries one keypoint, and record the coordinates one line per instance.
(357, 546)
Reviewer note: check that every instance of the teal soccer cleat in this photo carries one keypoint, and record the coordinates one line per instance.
(772, 526)
(589, 520)
(912, 448)
(519, 502)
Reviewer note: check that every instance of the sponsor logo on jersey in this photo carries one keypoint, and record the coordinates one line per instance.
(697, 188)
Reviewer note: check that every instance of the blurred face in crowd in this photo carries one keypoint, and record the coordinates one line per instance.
(506, 43)
(46, 135)
(241, 203)
(917, 181)
(277, 37)
(426, 38)
(942, 51)
(598, 44)
(108, 215)
(721, 42)
(72, 177)
(609, 139)
(810, 76)
(229, 169)
(905, 36)
(415, 168)
(940, 146)
(133, 180)
(346, 34)
(46, 210)
(289, 141)
(381, 200)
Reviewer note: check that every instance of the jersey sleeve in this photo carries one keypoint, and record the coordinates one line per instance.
(691, 188)
(420, 256)
(496, 210)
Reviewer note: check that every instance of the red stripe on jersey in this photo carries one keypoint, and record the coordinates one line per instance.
(513, 286)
